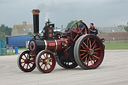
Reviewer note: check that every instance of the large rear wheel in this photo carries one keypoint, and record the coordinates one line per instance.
(89, 52)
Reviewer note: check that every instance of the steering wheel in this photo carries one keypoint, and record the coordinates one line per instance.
(76, 31)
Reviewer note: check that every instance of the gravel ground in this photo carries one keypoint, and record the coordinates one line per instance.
(113, 71)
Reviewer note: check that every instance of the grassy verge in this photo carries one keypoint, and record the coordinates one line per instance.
(8, 54)
(113, 46)
(22, 49)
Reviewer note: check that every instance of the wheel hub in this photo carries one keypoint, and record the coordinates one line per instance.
(27, 61)
(91, 51)
(47, 61)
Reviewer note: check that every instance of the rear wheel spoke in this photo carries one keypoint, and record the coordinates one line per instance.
(87, 41)
(74, 31)
(87, 61)
(93, 43)
(83, 50)
(85, 56)
(76, 37)
(95, 56)
(86, 45)
(96, 53)
(91, 60)
(82, 46)
(90, 44)
(94, 46)
(97, 49)
(82, 54)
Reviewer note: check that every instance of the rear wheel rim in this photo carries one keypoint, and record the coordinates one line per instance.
(26, 62)
(46, 62)
(75, 34)
(91, 52)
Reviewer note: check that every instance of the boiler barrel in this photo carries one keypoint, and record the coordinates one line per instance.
(36, 45)
(57, 45)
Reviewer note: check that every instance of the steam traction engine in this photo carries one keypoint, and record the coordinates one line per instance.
(72, 48)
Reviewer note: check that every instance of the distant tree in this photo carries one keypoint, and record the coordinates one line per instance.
(70, 23)
(2, 35)
(30, 33)
(123, 26)
(4, 30)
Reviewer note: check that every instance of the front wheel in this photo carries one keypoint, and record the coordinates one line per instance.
(89, 52)
(45, 61)
(26, 62)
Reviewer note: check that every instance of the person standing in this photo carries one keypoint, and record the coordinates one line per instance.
(92, 29)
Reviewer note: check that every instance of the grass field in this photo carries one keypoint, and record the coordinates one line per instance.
(112, 46)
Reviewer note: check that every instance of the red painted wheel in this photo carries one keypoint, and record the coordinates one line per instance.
(26, 62)
(89, 52)
(76, 31)
(45, 61)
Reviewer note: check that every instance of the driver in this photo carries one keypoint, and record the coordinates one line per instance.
(81, 26)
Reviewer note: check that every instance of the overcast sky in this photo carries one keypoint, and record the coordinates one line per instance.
(100, 12)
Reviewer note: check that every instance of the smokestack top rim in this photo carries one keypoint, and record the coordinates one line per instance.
(35, 11)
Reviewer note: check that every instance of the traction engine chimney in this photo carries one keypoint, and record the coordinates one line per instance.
(36, 20)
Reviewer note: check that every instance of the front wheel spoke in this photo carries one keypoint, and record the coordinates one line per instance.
(41, 58)
(41, 61)
(45, 56)
(32, 62)
(25, 56)
(49, 64)
(41, 65)
(46, 66)
(29, 65)
(24, 64)
(23, 59)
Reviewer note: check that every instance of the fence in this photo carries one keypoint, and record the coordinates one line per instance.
(3, 49)
(116, 39)
(121, 37)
